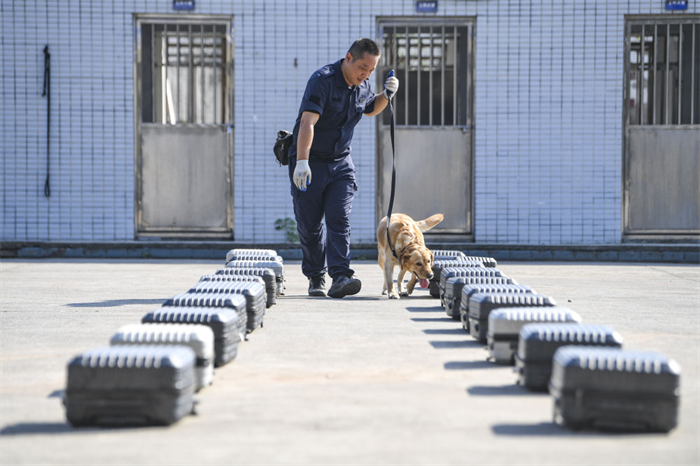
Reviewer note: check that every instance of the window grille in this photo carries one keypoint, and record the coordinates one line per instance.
(664, 72)
(184, 74)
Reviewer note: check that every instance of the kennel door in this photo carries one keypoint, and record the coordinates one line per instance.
(434, 134)
(184, 133)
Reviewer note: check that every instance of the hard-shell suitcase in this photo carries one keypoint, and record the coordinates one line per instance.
(238, 254)
(505, 324)
(449, 272)
(267, 275)
(538, 342)
(130, 385)
(223, 321)
(615, 389)
(446, 254)
(492, 286)
(243, 278)
(489, 262)
(253, 256)
(437, 272)
(481, 305)
(254, 294)
(199, 338)
(276, 267)
(235, 303)
(443, 254)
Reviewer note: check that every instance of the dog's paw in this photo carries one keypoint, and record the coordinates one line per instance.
(383, 292)
(403, 294)
(409, 289)
(393, 296)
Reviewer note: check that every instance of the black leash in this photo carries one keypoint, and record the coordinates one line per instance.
(47, 93)
(393, 175)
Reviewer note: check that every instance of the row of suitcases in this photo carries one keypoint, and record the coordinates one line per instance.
(151, 371)
(592, 380)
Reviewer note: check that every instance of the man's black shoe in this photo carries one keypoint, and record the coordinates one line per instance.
(343, 286)
(317, 286)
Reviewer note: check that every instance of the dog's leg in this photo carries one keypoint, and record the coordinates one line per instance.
(411, 285)
(389, 278)
(382, 261)
(399, 282)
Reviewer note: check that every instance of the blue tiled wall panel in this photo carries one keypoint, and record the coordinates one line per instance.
(548, 113)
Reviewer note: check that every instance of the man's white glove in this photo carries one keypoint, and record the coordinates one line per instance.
(390, 87)
(302, 174)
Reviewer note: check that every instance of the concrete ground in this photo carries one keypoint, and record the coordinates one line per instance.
(362, 380)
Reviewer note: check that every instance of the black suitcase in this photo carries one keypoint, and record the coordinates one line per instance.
(615, 389)
(488, 262)
(235, 303)
(454, 286)
(275, 266)
(495, 285)
(254, 294)
(505, 324)
(481, 305)
(242, 278)
(199, 338)
(449, 272)
(251, 256)
(225, 322)
(538, 342)
(130, 386)
(267, 275)
(446, 254)
(437, 272)
(245, 254)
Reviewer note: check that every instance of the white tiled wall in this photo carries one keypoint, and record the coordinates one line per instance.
(548, 113)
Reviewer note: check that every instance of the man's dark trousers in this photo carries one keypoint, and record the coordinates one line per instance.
(330, 193)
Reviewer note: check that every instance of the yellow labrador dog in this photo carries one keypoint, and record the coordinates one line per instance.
(406, 235)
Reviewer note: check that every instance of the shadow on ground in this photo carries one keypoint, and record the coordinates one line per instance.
(456, 344)
(29, 428)
(444, 331)
(48, 428)
(432, 319)
(425, 309)
(118, 302)
(504, 390)
(464, 365)
(550, 429)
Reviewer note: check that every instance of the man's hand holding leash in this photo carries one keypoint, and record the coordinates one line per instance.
(391, 85)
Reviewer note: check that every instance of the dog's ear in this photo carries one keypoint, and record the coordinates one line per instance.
(403, 259)
(432, 257)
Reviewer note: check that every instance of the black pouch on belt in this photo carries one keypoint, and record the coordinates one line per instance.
(281, 149)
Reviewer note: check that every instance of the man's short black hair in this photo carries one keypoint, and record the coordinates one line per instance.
(362, 46)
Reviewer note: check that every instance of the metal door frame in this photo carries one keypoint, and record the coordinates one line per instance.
(200, 19)
(627, 233)
(420, 21)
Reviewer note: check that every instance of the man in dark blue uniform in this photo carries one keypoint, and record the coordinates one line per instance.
(335, 99)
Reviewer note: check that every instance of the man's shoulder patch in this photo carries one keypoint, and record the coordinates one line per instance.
(327, 70)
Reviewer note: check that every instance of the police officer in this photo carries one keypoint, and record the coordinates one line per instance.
(320, 166)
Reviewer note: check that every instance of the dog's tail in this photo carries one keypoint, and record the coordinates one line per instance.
(430, 222)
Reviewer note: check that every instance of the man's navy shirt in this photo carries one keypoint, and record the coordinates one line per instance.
(341, 107)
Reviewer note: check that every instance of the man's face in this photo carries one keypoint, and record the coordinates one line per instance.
(360, 69)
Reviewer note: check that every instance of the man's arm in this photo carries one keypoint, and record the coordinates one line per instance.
(381, 100)
(306, 134)
(380, 103)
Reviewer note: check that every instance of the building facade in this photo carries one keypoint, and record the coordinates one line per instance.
(540, 122)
